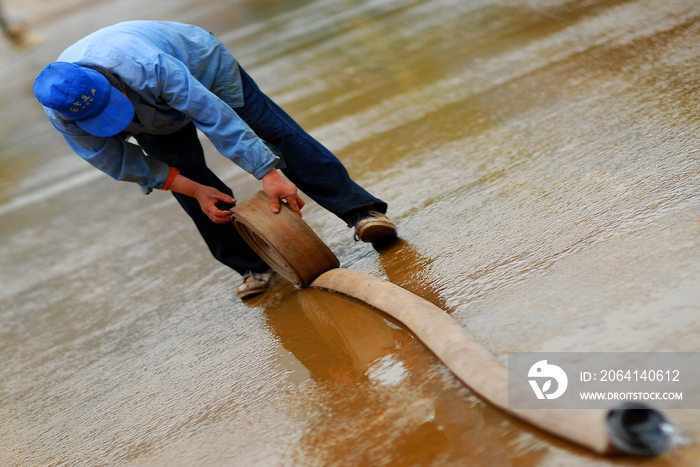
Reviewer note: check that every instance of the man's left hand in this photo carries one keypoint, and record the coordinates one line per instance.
(278, 188)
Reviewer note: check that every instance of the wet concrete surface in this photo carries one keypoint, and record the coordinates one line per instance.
(539, 157)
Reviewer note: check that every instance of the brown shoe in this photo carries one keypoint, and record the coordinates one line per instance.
(373, 226)
(255, 283)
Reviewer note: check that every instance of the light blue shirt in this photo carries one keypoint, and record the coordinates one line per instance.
(175, 74)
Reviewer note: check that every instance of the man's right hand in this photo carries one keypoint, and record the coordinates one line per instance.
(206, 196)
(278, 188)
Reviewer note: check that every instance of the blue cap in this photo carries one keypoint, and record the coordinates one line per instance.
(85, 97)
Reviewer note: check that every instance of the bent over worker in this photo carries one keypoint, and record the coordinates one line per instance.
(161, 81)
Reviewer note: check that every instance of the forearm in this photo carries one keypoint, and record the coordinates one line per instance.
(183, 185)
(271, 176)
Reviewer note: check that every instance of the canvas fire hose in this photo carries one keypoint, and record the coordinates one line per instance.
(295, 252)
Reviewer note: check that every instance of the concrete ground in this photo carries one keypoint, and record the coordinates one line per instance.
(539, 157)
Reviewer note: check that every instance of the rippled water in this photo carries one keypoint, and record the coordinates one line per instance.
(539, 156)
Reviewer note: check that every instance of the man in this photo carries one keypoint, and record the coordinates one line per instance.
(161, 81)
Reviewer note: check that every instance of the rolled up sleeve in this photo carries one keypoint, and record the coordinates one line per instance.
(114, 156)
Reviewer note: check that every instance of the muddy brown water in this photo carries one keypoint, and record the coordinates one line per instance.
(539, 157)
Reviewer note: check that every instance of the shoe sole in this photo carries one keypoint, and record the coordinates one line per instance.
(250, 293)
(376, 231)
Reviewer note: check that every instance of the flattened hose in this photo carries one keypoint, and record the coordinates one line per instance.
(293, 249)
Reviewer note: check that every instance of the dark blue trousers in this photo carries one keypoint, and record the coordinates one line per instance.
(309, 165)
